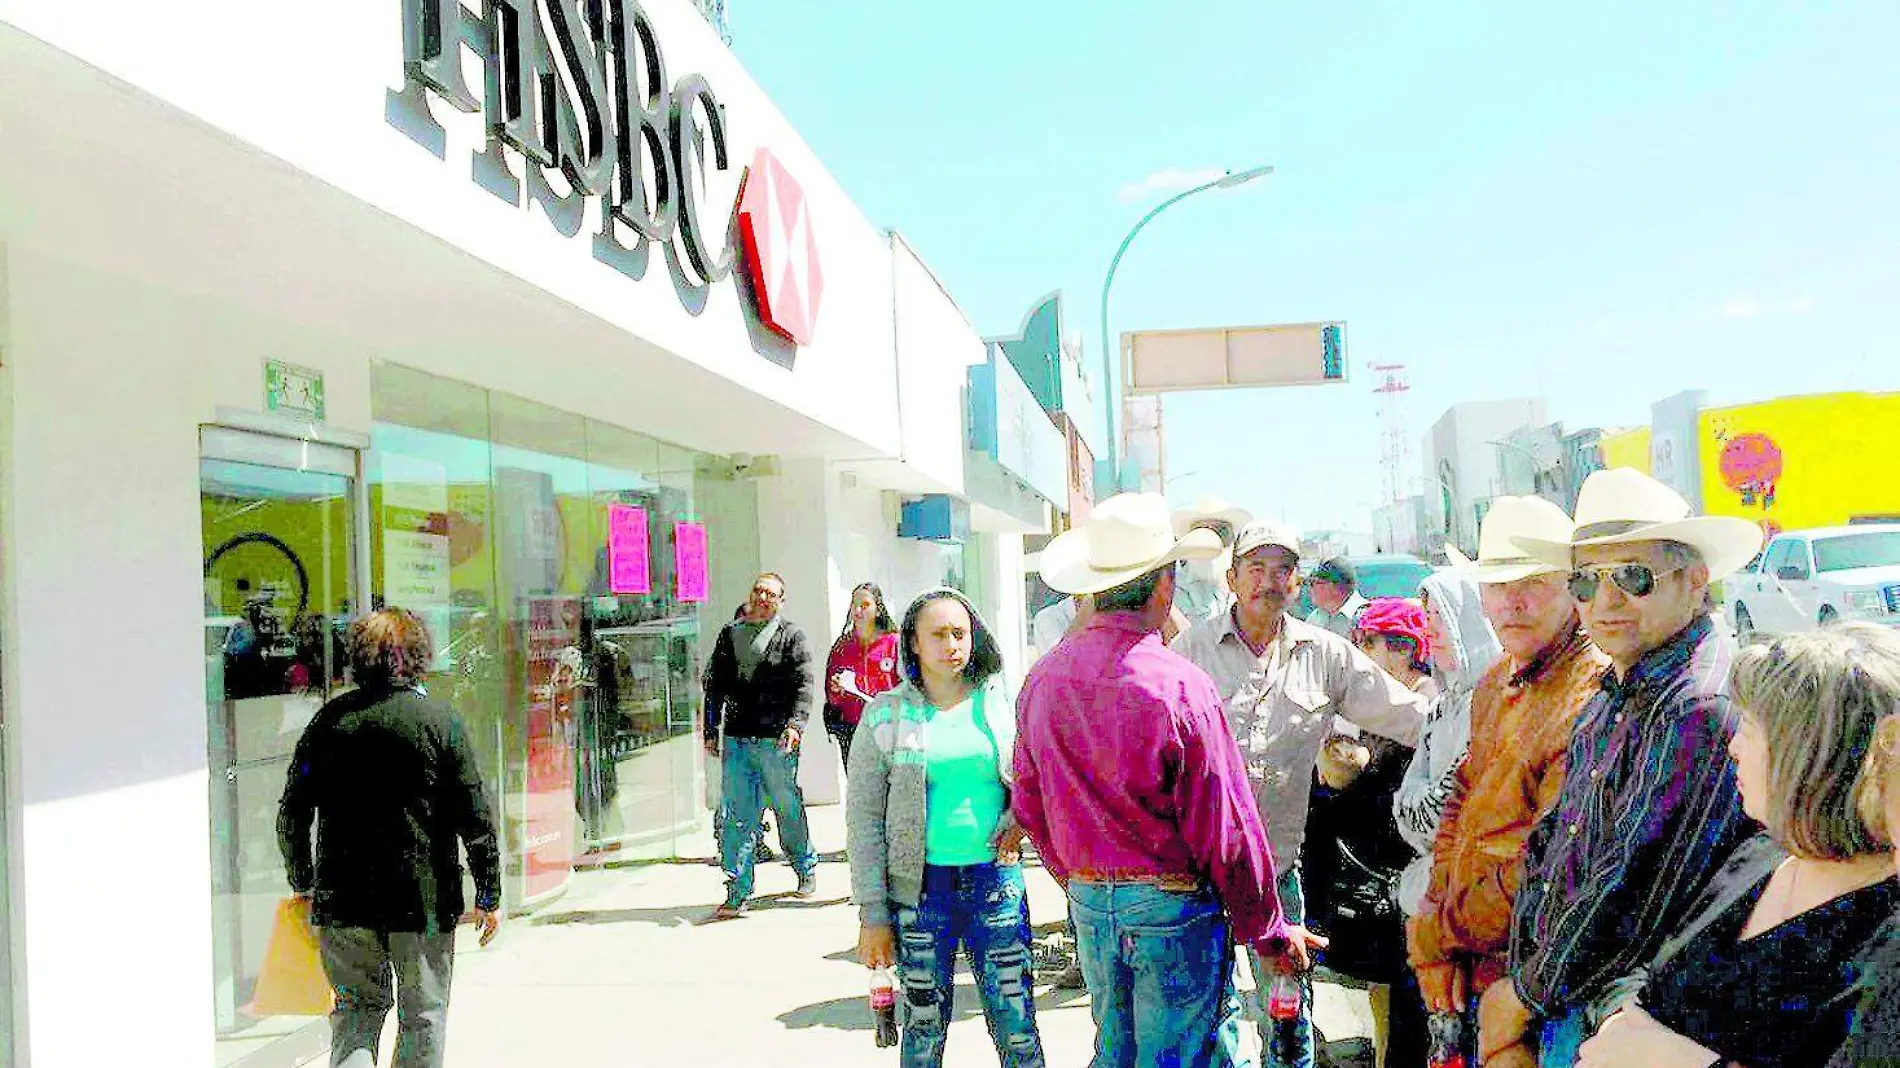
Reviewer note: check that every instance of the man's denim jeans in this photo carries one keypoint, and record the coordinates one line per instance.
(1297, 1050)
(983, 908)
(1159, 966)
(757, 773)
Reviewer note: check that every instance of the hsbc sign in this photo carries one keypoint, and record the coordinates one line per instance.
(781, 250)
(578, 90)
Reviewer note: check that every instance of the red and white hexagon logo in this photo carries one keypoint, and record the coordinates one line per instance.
(780, 249)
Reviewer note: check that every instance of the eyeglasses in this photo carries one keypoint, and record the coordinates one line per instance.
(1398, 643)
(1637, 580)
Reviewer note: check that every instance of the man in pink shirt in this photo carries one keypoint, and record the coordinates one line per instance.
(1130, 783)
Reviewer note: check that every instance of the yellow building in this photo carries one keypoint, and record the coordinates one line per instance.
(1800, 462)
(1627, 448)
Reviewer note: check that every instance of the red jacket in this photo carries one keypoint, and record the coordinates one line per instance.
(874, 665)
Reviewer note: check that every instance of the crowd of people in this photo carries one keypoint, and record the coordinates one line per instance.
(1547, 809)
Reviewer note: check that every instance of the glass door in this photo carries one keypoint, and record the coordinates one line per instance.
(280, 519)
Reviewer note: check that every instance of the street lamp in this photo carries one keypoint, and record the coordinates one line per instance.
(1229, 180)
(1524, 451)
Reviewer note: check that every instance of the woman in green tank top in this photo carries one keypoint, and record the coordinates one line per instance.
(935, 861)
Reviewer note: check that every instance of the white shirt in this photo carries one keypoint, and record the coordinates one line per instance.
(1281, 706)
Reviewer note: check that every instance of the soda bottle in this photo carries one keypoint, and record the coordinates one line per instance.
(884, 1006)
(1283, 1013)
(1447, 1031)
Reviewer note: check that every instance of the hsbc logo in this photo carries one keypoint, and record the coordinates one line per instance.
(578, 92)
(781, 249)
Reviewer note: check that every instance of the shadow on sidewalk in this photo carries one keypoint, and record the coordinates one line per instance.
(852, 1014)
(682, 916)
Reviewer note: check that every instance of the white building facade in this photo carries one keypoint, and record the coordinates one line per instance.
(1463, 469)
(304, 313)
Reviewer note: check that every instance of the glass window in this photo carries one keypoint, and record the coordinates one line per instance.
(431, 517)
(1779, 555)
(563, 639)
(1853, 551)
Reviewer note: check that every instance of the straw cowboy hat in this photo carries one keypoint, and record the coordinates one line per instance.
(1128, 536)
(1499, 559)
(1623, 505)
(1211, 510)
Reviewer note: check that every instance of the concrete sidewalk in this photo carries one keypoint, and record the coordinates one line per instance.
(627, 970)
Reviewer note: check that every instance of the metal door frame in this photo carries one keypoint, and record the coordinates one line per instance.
(290, 445)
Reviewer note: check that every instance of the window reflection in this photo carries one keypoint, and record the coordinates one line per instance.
(492, 517)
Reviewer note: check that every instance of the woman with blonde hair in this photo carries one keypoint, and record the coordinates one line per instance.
(1874, 1040)
(1763, 975)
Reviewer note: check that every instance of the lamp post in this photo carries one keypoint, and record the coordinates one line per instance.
(1226, 181)
(1171, 481)
(1522, 450)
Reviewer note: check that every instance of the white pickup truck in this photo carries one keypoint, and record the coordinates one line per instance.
(1809, 578)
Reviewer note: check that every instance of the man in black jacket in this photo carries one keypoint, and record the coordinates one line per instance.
(389, 778)
(760, 683)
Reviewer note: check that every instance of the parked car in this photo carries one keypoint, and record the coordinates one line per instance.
(1810, 578)
(1383, 575)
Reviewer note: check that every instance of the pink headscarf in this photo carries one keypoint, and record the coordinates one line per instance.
(1400, 618)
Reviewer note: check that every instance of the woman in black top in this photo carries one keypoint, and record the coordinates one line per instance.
(1765, 975)
(1874, 1041)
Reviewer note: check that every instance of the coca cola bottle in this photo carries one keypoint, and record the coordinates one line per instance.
(884, 1006)
(1447, 1031)
(1283, 1014)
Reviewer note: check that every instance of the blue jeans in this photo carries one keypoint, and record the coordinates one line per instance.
(1561, 1039)
(984, 909)
(757, 773)
(1296, 1051)
(1159, 967)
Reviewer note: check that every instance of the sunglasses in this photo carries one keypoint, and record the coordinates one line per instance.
(1637, 580)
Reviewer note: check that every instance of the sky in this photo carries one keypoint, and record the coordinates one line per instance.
(1603, 204)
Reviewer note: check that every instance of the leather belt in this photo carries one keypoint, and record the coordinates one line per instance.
(1177, 884)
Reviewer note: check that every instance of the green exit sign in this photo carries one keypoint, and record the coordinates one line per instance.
(293, 390)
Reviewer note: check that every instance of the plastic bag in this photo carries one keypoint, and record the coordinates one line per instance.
(291, 982)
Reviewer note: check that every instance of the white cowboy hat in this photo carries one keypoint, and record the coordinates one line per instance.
(1622, 505)
(1499, 559)
(1211, 510)
(1126, 537)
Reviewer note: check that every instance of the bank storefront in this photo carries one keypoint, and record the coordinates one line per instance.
(558, 384)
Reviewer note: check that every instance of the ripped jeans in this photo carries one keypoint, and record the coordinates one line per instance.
(983, 908)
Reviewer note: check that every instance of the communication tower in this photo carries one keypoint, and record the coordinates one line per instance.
(1395, 449)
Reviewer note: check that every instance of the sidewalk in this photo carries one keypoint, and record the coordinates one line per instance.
(626, 970)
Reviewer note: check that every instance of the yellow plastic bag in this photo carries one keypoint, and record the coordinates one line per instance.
(291, 982)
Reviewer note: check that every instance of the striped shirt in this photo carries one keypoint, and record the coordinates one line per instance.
(1646, 816)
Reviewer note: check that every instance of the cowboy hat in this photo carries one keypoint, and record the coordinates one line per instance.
(1211, 510)
(1499, 559)
(1622, 505)
(1128, 536)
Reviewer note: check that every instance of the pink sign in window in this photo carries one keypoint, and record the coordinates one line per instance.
(629, 559)
(689, 549)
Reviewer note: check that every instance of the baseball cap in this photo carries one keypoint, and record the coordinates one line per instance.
(1255, 536)
(1338, 572)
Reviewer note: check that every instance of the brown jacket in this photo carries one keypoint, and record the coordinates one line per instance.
(1522, 718)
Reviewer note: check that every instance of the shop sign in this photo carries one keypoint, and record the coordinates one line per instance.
(690, 563)
(1008, 424)
(781, 251)
(628, 557)
(553, 661)
(293, 390)
(582, 88)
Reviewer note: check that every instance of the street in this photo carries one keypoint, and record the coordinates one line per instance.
(627, 970)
